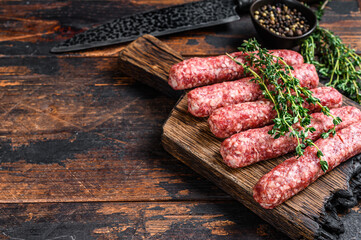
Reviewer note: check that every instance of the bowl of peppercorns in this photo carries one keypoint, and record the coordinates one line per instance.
(282, 23)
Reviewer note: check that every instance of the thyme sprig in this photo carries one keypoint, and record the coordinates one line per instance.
(280, 87)
(333, 59)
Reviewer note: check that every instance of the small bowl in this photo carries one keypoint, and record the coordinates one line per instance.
(272, 40)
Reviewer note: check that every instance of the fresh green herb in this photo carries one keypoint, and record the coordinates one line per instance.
(323, 163)
(279, 86)
(333, 59)
(320, 10)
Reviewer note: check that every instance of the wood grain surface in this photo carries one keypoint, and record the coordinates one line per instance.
(149, 60)
(190, 140)
(33, 27)
(80, 152)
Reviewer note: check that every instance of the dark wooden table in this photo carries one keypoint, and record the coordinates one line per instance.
(80, 151)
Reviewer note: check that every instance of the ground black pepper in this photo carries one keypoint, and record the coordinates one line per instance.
(282, 20)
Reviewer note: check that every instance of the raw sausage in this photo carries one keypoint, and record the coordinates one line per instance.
(229, 120)
(203, 101)
(295, 174)
(196, 72)
(254, 145)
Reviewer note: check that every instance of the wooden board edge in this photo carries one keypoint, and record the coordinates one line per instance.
(132, 62)
(329, 225)
(198, 166)
(341, 201)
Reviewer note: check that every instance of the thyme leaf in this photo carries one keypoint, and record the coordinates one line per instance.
(333, 59)
(284, 90)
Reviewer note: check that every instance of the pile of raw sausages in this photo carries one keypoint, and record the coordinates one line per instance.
(238, 112)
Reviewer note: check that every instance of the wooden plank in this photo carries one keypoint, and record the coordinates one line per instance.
(136, 61)
(30, 29)
(81, 124)
(189, 139)
(60, 162)
(147, 220)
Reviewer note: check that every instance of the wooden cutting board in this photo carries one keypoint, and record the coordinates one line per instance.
(308, 215)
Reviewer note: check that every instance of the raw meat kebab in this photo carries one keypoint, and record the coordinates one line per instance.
(238, 110)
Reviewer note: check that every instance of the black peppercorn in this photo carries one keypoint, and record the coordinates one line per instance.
(281, 20)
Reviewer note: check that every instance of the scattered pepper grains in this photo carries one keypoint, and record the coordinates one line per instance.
(281, 20)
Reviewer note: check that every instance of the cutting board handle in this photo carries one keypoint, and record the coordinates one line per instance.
(148, 60)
